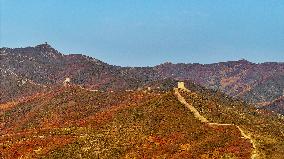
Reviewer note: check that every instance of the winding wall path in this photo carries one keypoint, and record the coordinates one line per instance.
(254, 154)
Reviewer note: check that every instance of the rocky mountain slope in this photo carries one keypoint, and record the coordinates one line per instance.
(259, 125)
(28, 70)
(73, 122)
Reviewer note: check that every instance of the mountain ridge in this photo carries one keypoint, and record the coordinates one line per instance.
(44, 65)
(48, 46)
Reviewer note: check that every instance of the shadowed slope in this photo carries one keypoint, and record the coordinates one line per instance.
(44, 65)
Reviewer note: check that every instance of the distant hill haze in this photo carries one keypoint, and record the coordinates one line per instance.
(25, 71)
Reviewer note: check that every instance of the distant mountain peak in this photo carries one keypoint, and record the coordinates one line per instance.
(48, 49)
(165, 64)
(244, 61)
(44, 46)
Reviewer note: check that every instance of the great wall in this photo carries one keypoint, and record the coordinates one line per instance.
(198, 116)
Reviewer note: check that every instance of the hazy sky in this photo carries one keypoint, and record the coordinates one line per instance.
(149, 32)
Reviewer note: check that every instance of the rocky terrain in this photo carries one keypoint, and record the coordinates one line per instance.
(25, 71)
(74, 106)
(73, 122)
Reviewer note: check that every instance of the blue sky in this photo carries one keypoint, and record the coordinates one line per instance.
(149, 32)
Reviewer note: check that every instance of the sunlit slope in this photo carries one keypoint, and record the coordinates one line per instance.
(38, 124)
(264, 128)
(72, 122)
(62, 107)
(161, 128)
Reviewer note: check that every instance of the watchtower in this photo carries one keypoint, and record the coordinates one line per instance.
(181, 85)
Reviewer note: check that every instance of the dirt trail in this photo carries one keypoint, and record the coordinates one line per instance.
(254, 154)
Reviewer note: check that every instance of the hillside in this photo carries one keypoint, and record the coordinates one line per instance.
(277, 105)
(267, 91)
(24, 71)
(49, 119)
(72, 122)
(265, 129)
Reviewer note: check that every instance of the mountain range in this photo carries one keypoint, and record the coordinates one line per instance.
(30, 70)
(74, 106)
